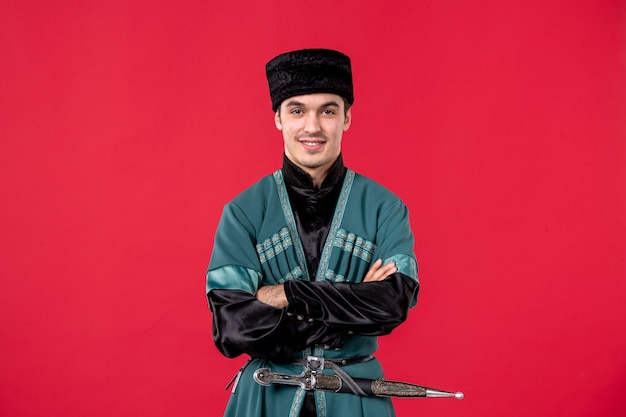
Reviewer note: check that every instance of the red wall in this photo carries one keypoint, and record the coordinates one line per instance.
(126, 125)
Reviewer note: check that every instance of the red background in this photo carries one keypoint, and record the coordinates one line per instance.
(126, 125)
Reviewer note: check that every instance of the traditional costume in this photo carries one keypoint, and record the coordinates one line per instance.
(319, 243)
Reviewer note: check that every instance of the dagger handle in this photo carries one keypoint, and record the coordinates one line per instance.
(306, 380)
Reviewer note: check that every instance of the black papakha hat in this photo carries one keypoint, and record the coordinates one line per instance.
(309, 71)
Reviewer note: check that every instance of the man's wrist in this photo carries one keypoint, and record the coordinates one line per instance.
(273, 295)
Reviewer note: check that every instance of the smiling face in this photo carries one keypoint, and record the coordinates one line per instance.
(312, 126)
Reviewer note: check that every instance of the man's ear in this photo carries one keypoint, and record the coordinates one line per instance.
(277, 121)
(348, 121)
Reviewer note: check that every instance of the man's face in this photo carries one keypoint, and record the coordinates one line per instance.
(312, 127)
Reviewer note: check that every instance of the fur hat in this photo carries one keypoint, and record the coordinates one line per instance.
(309, 71)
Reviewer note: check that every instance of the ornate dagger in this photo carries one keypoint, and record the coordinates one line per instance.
(372, 387)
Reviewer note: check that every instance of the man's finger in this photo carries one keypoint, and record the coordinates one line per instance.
(378, 272)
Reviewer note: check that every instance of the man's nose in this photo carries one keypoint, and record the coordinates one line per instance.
(312, 123)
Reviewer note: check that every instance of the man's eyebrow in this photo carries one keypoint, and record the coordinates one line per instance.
(291, 103)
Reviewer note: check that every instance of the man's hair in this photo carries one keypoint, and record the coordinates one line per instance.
(346, 106)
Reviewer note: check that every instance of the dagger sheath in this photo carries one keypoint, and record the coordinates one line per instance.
(376, 387)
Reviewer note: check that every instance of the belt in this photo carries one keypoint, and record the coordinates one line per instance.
(317, 363)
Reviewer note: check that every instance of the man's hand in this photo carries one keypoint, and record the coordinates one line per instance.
(273, 295)
(378, 271)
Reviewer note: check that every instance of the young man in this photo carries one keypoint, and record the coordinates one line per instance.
(313, 262)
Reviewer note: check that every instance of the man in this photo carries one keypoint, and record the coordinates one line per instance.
(314, 261)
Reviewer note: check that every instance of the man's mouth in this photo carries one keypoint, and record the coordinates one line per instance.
(312, 143)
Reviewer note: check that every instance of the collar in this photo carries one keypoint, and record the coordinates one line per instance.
(296, 177)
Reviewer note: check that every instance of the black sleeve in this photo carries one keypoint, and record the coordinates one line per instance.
(243, 324)
(371, 308)
(318, 313)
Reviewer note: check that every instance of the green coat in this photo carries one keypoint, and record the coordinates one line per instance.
(257, 244)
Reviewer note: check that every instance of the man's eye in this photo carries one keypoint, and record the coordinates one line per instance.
(296, 111)
(329, 111)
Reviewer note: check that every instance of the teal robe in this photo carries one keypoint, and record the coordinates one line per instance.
(257, 244)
